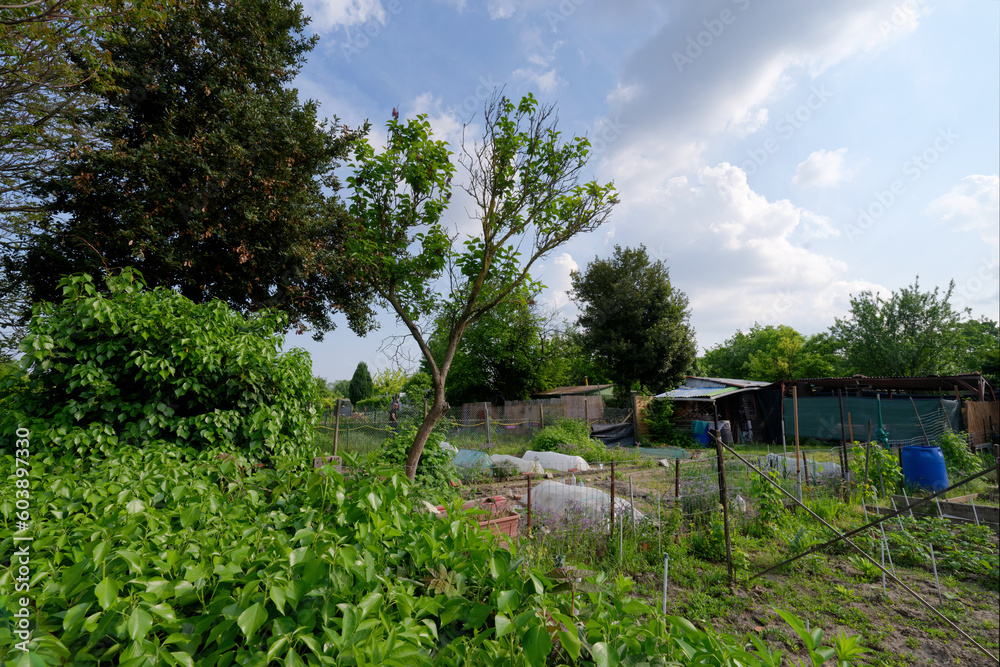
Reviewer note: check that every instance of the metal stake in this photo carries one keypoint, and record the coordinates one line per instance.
(666, 572)
(936, 581)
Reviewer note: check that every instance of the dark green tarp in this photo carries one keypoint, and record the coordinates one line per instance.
(819, 417)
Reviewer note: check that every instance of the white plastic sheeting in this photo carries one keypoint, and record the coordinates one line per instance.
(554, 461)
(522, 465)
(555, 498)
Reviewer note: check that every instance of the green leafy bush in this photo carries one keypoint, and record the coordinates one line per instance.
(570, 436)
(435, 468)
(658, 415)
(958, 458)
(137, 366)
(883, 470)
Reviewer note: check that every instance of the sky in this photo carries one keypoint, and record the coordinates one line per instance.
(777, 156)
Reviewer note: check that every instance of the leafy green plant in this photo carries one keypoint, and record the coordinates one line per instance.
(137, 366)
(846, 649)
(658, 415)
(883, 471)
(958, 458)
(769, 506)
(570, 436)
(435, 469)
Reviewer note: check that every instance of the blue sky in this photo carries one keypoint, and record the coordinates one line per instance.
(777, 156)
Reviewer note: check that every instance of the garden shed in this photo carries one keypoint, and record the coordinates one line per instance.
(697, 401)
(836, 409)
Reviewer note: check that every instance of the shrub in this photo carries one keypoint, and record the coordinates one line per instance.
(570, 436)
(958, 458)
(883, 469)
(435, 468)
(136, 366)
(659, 418)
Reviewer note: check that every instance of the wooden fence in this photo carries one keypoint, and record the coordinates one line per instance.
(982, 420)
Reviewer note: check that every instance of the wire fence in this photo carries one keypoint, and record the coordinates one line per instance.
(484, 430)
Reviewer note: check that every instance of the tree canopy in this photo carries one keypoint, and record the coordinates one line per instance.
(507, 352)
(204, 171)
(771, 353)
(528, 198)
(910, 333)
(361, 386)
(634, 320)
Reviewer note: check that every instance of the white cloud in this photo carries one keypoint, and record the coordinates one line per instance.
(545, 81)
(555, 274)
(445, 123)
(327, 14)
(823, 169)
(739, 257)
(973, 205)
(501, 9)
(764, 51)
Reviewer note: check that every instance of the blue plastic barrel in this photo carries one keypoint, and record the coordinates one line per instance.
(700, 431)
(924, 466)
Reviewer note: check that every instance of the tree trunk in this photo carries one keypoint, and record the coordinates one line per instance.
(436, 410)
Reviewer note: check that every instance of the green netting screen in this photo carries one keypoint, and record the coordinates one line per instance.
(819, 417)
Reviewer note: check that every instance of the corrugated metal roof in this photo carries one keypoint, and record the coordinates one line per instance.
(695, 381)
(702, 393)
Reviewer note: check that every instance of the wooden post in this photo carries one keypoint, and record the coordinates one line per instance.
(947, 419)
(336, 428)
(926, 441)
(723, 496)
(541, 416)
(840, 398)
(486, 413)
(843, 471)
(586, 412)
(529, 502)
(677, 478)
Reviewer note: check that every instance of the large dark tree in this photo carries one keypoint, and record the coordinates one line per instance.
(634, 320)
(208, 174)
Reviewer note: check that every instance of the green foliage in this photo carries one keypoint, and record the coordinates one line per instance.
(958, 458)
(168, 551)
(361, 386)
(846, 650)
(768, 503)
(883, 471)
(417, 387)
(978, 349)
(771, 353)
(505, 352)
(200, 167)
(570, 436)
(435, 469)
(524, 182)
(634, 320)
(145, 367)
(910, 333)
(389, 382)
(658, 415)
